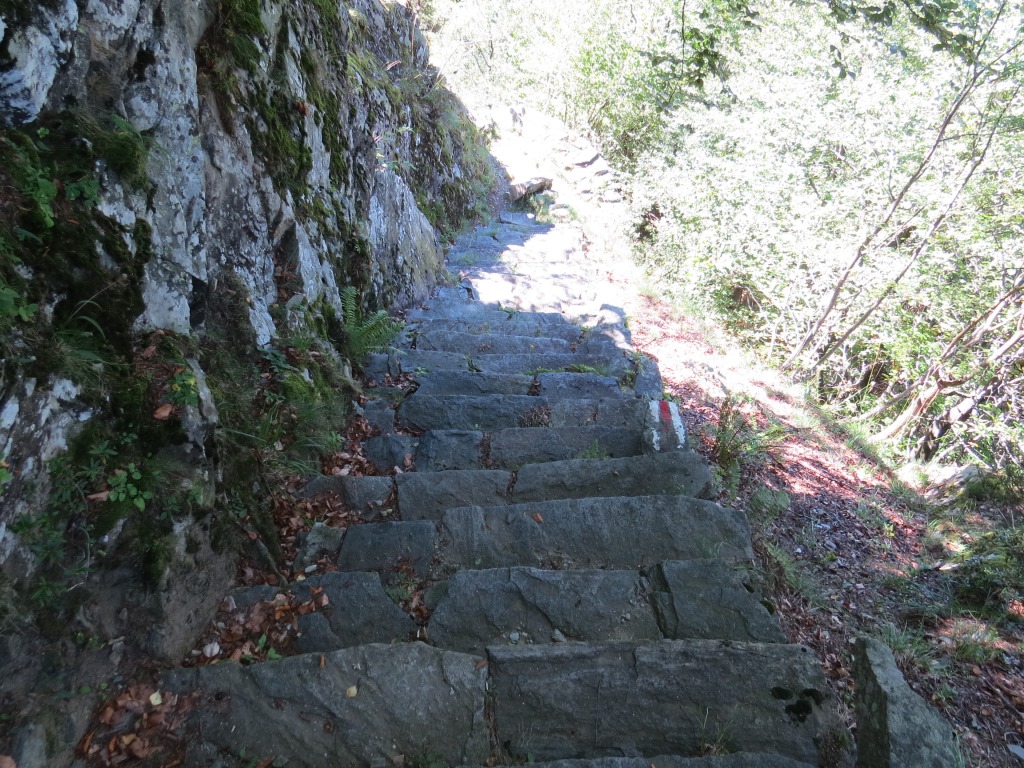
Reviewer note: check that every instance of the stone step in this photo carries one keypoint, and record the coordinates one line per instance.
(415, 362)
(675, 473)
(358, 612)
(467, 310)
(629, 532)
(361, 706)
(489, 343)
(529, 605)
(552, 385)
(702, 599)
(511, 325)
(427, 495)
(487, 413)
(623, 533)
(453, 307)
(683, 697)
(438, 450)
(514, 448)
(735, 760)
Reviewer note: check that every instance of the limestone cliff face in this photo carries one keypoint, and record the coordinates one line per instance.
(288, 146)
(187, 188)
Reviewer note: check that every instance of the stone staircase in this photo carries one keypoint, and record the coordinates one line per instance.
(588, 605)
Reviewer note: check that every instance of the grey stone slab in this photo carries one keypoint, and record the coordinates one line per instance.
(736, 760)
(648, 381)
(519, 219)
(387, 546)
(365, 495)
(320, 541)
(587, 386)
(627, 532)
(628, 412)
(678, 473)
(709, 599)
(485, 413)
(512, 448)
(495, 412)
(478, 312)
(521, 605)
(416, 363)
(895, 726)
(359, 612)
(450, 449)
(489, 343)
(473, 383)
(361, 706)
(380, 414)
(673, 697)
(510, 325)
(536, 363)
(426, 495)
(387, 451)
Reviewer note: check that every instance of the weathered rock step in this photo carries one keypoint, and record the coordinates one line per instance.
(548, 292)
(552, 385)
(522, 325)
(490, 343)
(492, 412)
(438, 450)
(467, 310)
(624, 533)
(363, 706)
(704, 599)
(683, 697)
(460, 308)
(735, 760)
(427, 495)
(415, 362)
(500, 343)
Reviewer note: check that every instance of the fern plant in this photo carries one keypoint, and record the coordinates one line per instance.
(362, 334)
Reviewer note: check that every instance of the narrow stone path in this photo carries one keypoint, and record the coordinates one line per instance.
(587, 602)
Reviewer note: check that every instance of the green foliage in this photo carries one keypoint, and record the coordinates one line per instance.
(182, 389)
(992, 569)
(767, 503)
(736, 441)
(595, 451)
(784, 572)
(362, 334)
(5, 471)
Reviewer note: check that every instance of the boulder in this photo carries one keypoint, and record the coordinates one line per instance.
(895, 726)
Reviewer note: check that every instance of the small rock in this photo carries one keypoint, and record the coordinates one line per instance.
(557, 636)
(513, 637)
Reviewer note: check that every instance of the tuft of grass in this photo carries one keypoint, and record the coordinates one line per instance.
(767, 504)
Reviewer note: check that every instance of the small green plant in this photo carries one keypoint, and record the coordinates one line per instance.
(183, 389)
(402, 589)
(736, 441)
(908, 644)
(783, 571)
(5, 471)
(125, 485)
(595, 451)
(362, 334)
(767, 503)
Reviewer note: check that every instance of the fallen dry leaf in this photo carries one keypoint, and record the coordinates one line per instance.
(163, 412)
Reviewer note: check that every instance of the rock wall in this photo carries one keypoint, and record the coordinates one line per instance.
(187, 188)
